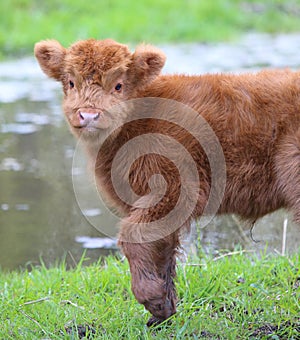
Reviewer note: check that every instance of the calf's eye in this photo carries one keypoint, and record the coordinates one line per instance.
(118, 87)
(71, 84)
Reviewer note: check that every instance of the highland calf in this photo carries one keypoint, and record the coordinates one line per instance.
(254, 119)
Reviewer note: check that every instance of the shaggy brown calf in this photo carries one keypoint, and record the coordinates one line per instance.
(253, 118)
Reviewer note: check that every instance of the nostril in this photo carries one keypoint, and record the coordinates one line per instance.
(96, 116)
(81, 115)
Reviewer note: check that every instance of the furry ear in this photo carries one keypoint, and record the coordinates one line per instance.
(50, 55)
(147, 62)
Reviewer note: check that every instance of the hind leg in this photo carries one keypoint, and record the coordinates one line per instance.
(288, 173)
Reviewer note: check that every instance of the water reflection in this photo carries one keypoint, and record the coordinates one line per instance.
(39, 214)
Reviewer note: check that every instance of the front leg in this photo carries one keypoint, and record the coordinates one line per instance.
(152, 267)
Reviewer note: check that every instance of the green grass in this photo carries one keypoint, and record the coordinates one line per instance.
(23, 22)
(234, 297)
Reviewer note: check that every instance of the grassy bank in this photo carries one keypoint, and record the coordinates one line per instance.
(232, 297)
(23, 22)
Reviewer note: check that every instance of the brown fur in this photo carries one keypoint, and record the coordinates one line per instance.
(256, 118)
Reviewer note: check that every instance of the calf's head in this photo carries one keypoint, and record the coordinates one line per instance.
(97, 75)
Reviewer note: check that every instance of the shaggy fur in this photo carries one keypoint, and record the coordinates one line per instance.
(256, 118)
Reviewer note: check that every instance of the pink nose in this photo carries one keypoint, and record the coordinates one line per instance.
(87, 116)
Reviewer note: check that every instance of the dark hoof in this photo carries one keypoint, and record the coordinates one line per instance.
(154, 321)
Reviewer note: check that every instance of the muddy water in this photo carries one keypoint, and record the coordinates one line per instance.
(39, 212)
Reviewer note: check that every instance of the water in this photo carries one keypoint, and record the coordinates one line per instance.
(39, 213)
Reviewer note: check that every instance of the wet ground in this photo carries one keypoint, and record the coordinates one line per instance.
(39, 213)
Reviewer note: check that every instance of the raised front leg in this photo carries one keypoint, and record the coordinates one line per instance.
(152, 267)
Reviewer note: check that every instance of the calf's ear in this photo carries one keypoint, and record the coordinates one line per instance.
(50, 55)
(147, 62)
